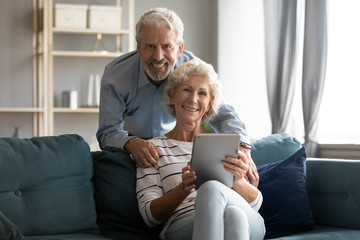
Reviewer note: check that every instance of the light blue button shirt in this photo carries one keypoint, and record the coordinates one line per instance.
(130, 105)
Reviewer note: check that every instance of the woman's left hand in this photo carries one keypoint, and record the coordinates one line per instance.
(188, 177)
(237, 166)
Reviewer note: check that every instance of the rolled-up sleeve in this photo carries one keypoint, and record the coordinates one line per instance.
(256, 204)
(228, 121)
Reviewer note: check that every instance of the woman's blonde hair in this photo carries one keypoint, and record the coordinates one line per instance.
(182, 74)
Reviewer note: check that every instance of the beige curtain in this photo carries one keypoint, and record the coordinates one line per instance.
(280, 48)
(314, 68)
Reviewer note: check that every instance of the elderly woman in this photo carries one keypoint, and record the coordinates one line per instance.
(165, 191)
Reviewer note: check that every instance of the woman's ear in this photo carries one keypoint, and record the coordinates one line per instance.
(171, 97)
(209, 106)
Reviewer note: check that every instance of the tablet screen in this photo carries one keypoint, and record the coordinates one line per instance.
(209, 149)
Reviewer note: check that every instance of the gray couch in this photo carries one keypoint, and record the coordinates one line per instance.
(55, 188)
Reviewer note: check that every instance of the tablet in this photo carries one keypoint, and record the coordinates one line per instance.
(209, 149)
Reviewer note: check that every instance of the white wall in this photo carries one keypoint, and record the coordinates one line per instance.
(241, 64)
(16, 53)
(16, 67)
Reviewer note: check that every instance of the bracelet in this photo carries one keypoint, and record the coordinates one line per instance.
(245, 145)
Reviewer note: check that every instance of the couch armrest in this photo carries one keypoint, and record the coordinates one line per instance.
(334, 191)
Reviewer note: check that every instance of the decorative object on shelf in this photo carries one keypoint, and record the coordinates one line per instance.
(104, 17)
(94, 85)
(70, 99)
(94, 144)
(90, 90)
(16, 132)
(70, 15)
(97, 90)
(99, 42)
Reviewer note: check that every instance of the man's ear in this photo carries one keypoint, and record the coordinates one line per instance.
(180, 50)
(138, 49)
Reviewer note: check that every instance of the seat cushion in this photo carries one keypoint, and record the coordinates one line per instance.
(324, 233)
(46, 184)
(72, 236)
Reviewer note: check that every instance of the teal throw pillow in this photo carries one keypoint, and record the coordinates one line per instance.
(274, 148)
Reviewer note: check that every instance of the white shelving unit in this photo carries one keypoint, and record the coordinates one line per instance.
(46, 109)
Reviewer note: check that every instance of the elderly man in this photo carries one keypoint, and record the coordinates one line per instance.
(132, 89)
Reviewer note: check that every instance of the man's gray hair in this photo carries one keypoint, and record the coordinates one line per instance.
(161, 17)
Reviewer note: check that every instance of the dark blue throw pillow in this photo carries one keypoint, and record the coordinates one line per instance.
(286, 207)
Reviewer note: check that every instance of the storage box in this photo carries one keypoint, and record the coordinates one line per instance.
(70, 15)
(104, 17)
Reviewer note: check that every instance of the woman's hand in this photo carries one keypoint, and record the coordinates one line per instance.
(237, 166)
(188, 176)
(252, 176)
(164, 206)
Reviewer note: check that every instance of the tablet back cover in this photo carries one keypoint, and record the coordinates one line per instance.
(208, 152)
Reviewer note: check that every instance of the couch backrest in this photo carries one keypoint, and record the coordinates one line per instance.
(46, 184)
(334, 191)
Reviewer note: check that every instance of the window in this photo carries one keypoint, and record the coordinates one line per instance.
(241, 68)
(340, 110)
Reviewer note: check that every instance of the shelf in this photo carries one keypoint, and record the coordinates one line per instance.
(90, 31)
(100, 54)
(77, 110)
(20, 110)
(52, 48)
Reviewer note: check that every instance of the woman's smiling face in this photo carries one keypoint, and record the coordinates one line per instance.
(191, 99)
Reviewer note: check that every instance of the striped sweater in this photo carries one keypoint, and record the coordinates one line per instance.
(165, 175)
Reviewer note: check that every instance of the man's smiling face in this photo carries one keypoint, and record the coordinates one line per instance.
(158, 51)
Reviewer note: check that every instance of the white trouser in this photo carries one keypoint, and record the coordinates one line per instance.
(220, 213)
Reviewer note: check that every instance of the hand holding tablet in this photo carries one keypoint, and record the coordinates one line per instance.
(209, 150)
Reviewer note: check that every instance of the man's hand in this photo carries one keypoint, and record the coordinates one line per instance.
(145, 153)
(252, 175)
